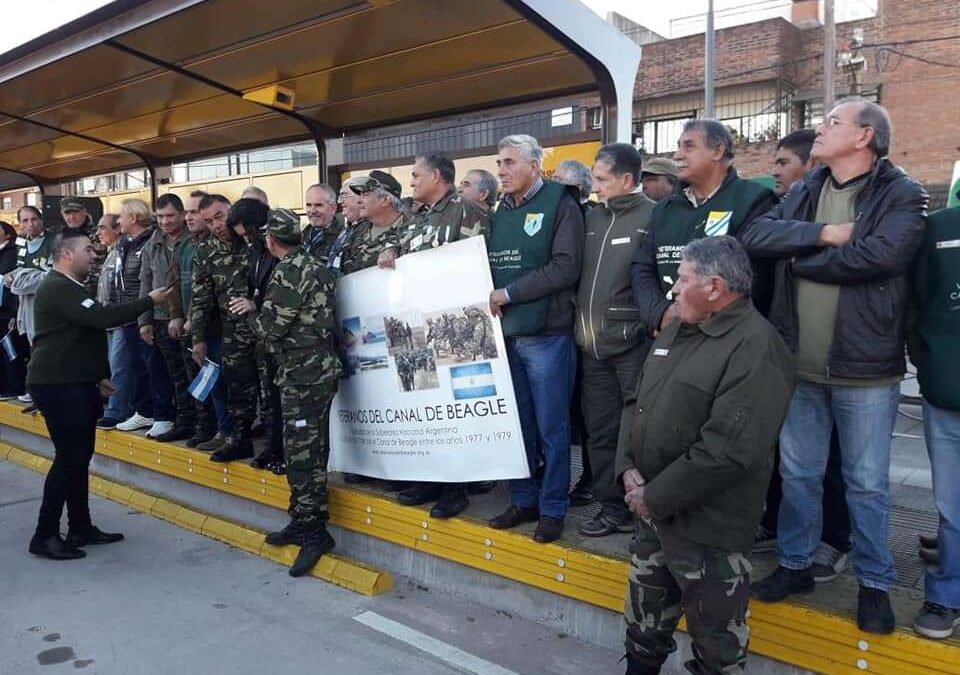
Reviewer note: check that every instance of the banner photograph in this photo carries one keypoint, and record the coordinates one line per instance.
(426, 393)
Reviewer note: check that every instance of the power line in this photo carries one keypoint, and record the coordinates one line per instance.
(921, 59)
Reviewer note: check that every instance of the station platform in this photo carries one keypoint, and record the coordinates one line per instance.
(576, 584)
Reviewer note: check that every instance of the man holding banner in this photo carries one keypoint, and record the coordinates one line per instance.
(535, 252)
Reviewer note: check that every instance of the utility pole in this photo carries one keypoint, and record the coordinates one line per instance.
(829, 55)
(709, 65)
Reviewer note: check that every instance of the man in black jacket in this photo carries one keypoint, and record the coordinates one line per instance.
(845, 235)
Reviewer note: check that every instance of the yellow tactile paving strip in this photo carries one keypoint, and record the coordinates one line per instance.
(802, 636)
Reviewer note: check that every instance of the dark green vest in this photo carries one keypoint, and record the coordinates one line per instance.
(520, 242)
(41, 259)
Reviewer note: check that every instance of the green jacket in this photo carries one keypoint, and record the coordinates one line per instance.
(318, 242)
(935, 326)
(608, 323)
(708, 409)
(219, 274)
(70, 345)
(366, 245)
(449, 220)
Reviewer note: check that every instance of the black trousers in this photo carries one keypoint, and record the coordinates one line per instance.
(14, 372)
(836, 517)
(71, 412)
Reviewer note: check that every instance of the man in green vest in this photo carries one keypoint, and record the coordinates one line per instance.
(68, 377)
(710, 200)
(535, 251)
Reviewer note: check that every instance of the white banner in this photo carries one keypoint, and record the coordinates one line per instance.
(428, 394)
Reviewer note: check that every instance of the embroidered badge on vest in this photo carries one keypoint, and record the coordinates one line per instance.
(717, 223)
(533, 223)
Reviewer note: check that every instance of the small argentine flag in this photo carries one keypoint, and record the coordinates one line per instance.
(203, 383)
(8, 347)
(473, 381)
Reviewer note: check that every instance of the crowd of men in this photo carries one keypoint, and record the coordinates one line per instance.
(731, 354)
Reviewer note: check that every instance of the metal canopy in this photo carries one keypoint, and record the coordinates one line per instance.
(150, 82)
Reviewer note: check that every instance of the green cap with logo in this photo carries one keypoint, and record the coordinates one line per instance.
(378, 179)
(68, 204)
(659, 166)
(284, 226)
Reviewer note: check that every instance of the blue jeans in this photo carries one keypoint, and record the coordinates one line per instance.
(219, 393)
(864, 417)
(128, 377)
(159, 386)
(543, 369)
(942, 431)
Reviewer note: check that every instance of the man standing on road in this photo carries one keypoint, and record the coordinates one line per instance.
(68, 377)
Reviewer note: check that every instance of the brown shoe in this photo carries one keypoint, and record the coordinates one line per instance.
(513, 516)
(548, 529)
(214, 444)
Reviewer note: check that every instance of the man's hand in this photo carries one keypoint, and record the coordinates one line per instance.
(635, 500)
(106, 388)
(12, 324)
(498, 298)
(632, 480)
(673, 312)
(835, 235)
(200, 353)
(242, 306)
(387, 259)
(159, 295)
(175, 328)
(146, 334)
(8, 280)
(187, 327)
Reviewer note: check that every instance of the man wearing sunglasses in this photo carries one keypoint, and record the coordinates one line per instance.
(845, 236)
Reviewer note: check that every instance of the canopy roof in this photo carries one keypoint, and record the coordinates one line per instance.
(149, 82)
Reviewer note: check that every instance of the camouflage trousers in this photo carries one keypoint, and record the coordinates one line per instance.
(269, 398)
(206, 422)
(240, 370)
(671, 576)
(171, 351)
(306, 435)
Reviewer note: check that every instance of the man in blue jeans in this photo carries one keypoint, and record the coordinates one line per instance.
(845, 236)
(933, 348)
(535, 250)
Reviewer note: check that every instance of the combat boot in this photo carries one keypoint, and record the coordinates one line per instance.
(452, 502)
(272, 454)
(292, 533)
(238, 446)
(316, 542)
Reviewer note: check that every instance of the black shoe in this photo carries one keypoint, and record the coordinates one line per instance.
(481, 487)
(356, 479)
(232, 450)
(200, 437)
(175, 434)
(782, 584)
(582, 494)
(513, 516)
(316, 542)
(420, 493)
(548, 529)
(604, 524)
(292, 533)
(107, 423)
(279, 467)
(874, 614)
(265, 460)
(452, 502)
(54, 548)
(92, 537)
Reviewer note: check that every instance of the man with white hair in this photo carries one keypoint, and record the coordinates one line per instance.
(535, 251)
(577, 174)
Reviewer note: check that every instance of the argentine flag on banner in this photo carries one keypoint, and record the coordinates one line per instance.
(8, 347)
(472, 381)
(203, 383)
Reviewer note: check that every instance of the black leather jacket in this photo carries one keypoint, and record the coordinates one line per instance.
(871, 268)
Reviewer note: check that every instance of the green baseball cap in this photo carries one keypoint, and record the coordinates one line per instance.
(378, 179)
(284, 226)
(71, 204)
(659, 166)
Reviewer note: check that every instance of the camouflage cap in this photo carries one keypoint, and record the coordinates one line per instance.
(378, 179)
(284, 226)
(71, 204)
(659, 166)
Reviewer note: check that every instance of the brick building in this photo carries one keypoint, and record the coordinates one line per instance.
(769, 81)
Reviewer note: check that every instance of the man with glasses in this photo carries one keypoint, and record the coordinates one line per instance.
(845, 236)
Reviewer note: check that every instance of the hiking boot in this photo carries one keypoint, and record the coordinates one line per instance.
(874, 614)
(783, 583)
(316, 542)
(828, 562)
(265, 459)
(936, 621)
(214, 444)
(604, 524)
(199, 438)
(292, 533)
(764, 541)
(234, 449)
(513, 516)
(548, 529)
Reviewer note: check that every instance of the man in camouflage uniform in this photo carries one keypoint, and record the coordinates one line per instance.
(695, 466)
(320, 235)
(446, 218)
(220, 272)
(75, 217)
(297, 321)
(382, 224)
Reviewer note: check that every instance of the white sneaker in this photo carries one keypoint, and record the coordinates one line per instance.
(25, 398)
(137, 421)
(159, 428)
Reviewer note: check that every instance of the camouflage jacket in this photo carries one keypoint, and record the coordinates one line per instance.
(219, 273)
(449, 220)
(318, 242)
(366, 245)
(296, 321)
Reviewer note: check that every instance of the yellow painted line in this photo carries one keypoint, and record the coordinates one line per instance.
(336, 569)
(804, 636)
